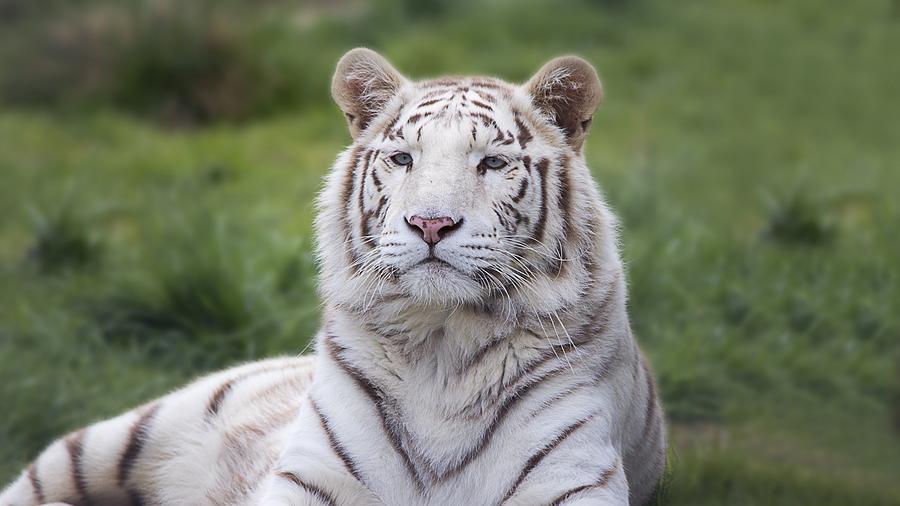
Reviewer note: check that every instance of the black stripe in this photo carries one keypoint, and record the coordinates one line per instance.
(562, 394)
(501, 217)
(485, 119)
(536, 459)
(565, 198)
(378, 213)
(485, 84)
(479, 354)
(541, 167)
(336, 445)
(600, 483)
(217, 400)
(429, 102)
(478, 103)
(598, 324)
(75, 447)
(487, 97)
(523, 187)
(511, 211)
(135, 497)
(375, 179)
(520, 392)
(416, 117)
(377, 397)
(524, 133)
(136, 440)
(36, 484)
(320, 494)
(552, 351)
(388, 128)
(361, 194)
(346, 194)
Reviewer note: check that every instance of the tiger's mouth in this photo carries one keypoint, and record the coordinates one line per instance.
(436, 280)
(436, 265)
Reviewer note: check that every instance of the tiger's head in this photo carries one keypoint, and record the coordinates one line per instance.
(462, 191)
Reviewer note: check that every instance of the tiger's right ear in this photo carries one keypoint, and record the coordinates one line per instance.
(568, 91)
(363, 84)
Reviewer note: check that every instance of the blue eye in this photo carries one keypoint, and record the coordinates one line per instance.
(493, 162)
(402, 158)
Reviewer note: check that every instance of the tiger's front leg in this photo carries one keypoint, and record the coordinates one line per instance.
(314, 487)
(313, 470)
(584, 486)
(576, 468)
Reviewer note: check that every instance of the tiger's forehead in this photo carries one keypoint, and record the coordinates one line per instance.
(476, 111)
(461, 98)
(487, 89)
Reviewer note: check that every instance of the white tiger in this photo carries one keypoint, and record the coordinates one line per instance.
(475, 348)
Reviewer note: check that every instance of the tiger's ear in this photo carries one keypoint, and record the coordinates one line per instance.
(363, 84)
(568, 91)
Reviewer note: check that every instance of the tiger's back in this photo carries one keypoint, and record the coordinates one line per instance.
(211, 442)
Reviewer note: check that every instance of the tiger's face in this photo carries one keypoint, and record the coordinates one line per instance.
(455, 191)
(451, 192)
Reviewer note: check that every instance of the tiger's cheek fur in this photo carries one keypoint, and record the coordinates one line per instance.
(374, 181)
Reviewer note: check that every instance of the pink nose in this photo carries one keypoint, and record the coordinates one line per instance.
(433, 229)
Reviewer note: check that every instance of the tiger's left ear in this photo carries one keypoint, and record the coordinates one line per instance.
(363, 83)
(568, 91)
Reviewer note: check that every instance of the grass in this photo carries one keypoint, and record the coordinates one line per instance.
(749, 147)
(61, 241)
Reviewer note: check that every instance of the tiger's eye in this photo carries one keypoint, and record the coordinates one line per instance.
(493, 162)
(402, 158)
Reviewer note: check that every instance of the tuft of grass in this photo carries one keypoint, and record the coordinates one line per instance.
(190, 300)
(62, 241)
(796, 218)
(198, 306)
(207, 293)
(691, 398)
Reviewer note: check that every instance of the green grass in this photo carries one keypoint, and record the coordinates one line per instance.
(749, 146)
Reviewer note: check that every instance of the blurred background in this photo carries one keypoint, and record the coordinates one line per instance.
(159, 158)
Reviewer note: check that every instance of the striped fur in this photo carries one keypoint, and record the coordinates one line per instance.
(495, 367)
(172, 451)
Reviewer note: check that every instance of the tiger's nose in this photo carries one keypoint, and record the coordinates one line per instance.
(433, 229)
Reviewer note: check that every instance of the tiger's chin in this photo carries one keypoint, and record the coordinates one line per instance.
(437, 283)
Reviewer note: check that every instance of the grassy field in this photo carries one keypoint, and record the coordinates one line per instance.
(155, 209)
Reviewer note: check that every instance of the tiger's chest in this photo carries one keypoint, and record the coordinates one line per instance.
(415, 445)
